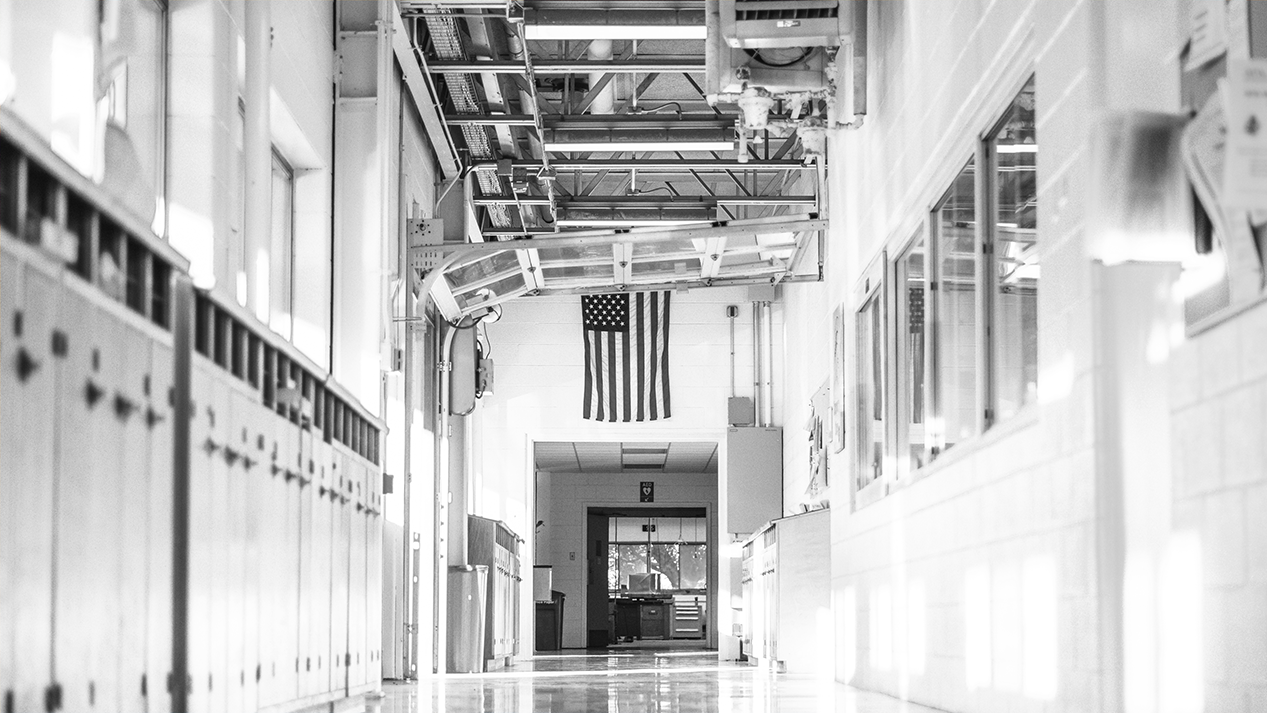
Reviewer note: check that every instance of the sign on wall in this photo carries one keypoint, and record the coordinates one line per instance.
(646, 492)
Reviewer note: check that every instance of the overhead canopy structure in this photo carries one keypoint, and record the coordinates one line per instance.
(594, 119)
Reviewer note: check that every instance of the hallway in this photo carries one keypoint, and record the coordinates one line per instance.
(632, 683)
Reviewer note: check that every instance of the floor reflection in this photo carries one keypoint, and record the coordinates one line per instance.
(631, 683)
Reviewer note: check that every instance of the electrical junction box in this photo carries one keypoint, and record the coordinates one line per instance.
(423, 235)
(484, 377)
(740, 411)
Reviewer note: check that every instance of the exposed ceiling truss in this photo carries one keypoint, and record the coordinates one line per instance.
(582, 117)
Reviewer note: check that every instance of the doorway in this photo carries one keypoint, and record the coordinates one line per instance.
(648, 578)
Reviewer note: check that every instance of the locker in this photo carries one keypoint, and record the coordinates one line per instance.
(287, 666)
(272, 531)
(303, 620)
(218, 674)
(340, 534)
(133, 516)
(256, 476)
(158, 418)
(240, 416)
(28, 386)
(105, 528)
(77, 611)
(322, 584)
(205, 448)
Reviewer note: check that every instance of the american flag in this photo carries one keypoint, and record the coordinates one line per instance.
(626, 356)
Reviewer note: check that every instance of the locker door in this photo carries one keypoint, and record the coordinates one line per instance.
(360, 577)
(322, 584)
(77, 612)
(242, 412)
(340, 576)
(257, 475)
(205, 448)
(272, 530)
(28, 384)
(304, 590)
(158, 418)
(374, 618)
(130, 399)
(288, 654)
(219, 677)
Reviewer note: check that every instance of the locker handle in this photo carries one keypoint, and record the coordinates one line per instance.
(276, 469)
(230, 456)
(27, 365)
(291, 475)
(210, 446)
(152, 417)
(93, 393)
(123, 407)
(247, 462)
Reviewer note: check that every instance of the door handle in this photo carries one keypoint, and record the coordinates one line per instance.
(27, 365)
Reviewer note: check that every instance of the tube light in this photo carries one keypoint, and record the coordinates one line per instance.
(625, 146)
(614, 32)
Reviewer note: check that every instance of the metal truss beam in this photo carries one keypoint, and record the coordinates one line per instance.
(563, 66)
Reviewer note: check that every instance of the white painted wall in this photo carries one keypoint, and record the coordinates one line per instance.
(539, 358)
(572, 494)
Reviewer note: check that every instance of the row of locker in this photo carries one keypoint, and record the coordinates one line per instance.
(86, 496)
(285, 564)
(285, 530)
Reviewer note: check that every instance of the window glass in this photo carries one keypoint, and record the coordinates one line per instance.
(912, 398)
(133, 80)
(1014, 149)
(281, 293)
(871, 389)
(956, 311)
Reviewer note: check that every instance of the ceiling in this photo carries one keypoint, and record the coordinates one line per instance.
(560, 133)
(631, 457)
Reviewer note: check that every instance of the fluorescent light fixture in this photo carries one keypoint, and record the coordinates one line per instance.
(626, 146)
(611, 223)
(1016, 148)
(615, 32)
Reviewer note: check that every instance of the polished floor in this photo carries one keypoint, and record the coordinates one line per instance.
(643, 682)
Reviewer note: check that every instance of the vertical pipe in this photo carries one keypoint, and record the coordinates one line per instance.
(756, 363)
(182, 412)
(732, 312)
(606, 99)
(767, 363)
(257, 154)
(406, 577)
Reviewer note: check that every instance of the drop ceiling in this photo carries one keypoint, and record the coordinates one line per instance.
(628, 457)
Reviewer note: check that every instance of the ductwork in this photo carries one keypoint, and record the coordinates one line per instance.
(601, 49)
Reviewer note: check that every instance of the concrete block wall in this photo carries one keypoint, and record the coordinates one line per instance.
(1219, 464)
(973, 585)
(571, 494)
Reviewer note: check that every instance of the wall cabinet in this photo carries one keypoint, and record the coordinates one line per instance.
(786, 583)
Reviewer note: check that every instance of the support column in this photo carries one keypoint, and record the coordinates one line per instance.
(257, 150)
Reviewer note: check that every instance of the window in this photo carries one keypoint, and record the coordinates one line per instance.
(956, 360)
(672, 547)
(133, 73)
(871, 416)
(912, 403)
(281, 272)
(964, 295)
(1013, 152)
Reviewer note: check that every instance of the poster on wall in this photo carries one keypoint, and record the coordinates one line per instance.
(837, 389)
(820, 417)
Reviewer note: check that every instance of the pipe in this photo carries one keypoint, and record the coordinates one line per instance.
(647, 201)
(767, 362)
(257, 158)
(442, 514)
(601, 49)
(732, 312)
(756, 363)
(712, 50)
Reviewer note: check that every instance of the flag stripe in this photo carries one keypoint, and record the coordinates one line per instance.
(626, 357)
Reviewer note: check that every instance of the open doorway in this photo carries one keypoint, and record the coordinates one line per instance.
(626, 533)
(648, 581)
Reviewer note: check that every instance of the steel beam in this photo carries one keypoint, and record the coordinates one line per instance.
(662, 165)
(733, 229)
(564, 66)
(637, 201)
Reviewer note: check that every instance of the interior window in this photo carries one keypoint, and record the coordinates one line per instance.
(912, 400)
(1013, 148)
(871, 389)
(956, 310)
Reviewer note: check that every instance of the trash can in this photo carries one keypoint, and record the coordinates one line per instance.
(550, 623)
(468, 592)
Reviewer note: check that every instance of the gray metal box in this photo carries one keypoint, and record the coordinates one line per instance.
(754, 477)
(740, 411)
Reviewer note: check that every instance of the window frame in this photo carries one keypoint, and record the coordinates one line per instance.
(287, 271)
(880, 281)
